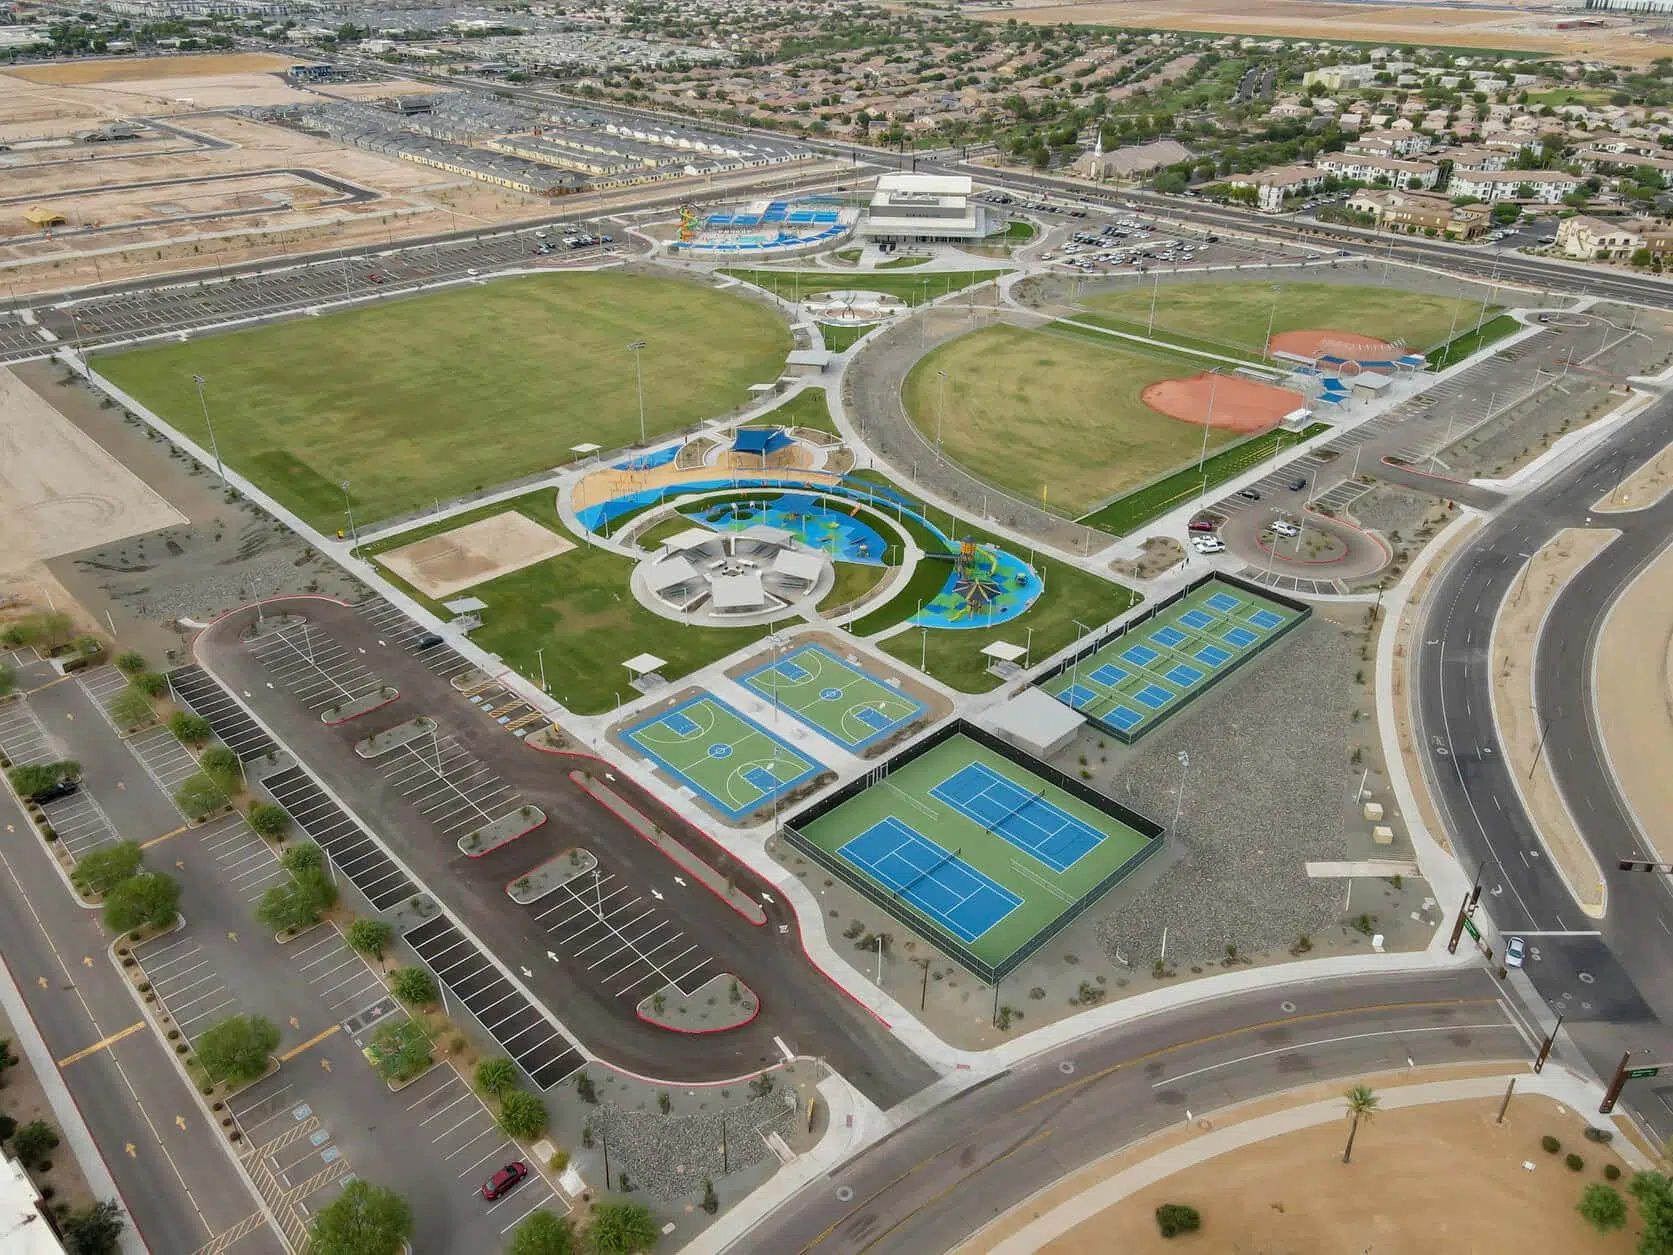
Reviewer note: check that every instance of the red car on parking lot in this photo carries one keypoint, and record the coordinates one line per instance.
(1200, 525)
(505, 1180)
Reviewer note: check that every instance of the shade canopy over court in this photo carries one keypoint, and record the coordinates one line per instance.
(984, 851)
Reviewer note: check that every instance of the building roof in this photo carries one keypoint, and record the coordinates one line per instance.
(670, 573)
(23, 1229)
(1034, 718)
(925, 184)
(41, 216)
(644, 664)
(738, 592)
(798, 564)
(691, 538)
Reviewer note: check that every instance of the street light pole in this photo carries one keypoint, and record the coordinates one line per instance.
(636, 348)
(1179, 798)
(940, 408)
(354, 536)
(540, 657)
(213, 447)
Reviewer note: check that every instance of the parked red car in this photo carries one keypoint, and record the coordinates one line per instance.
(505, 1180)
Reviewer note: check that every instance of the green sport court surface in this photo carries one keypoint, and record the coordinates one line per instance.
(847, 703)
(980, 854)
(1154, 667)
(727, 759)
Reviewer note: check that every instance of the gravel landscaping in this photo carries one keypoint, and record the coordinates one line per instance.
(550, 876)
(721, 1002)
(357, 707)
(669, 1155)
(502, 831)
(393, 738)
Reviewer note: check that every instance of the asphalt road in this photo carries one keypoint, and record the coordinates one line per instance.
(1609, 977)
(798, 1004)
(178, 1184)
(939, 1179)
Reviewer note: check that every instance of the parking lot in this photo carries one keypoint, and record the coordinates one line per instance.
(449, 785)
(79, 820)
(315, 669)
(342, 979)
(499, 1006)
(186, 982)
(353, 853)
(244, 862)
(293, 1156)
(462, 1132)
(242, 734)
(605, 925)
(165, 760)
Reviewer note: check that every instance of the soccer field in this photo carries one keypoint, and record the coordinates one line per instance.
(1236, 314)
(985, 857)
(850, 705)
(726, 758)
(1038, 411)
(437, 396)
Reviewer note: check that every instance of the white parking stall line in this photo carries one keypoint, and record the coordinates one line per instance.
(441, 1111)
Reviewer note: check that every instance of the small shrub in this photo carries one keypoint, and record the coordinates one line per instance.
(1574, 1162)
(1550, 1145)
(1611, 1172)
(1601, 1136)
(1176, 1218)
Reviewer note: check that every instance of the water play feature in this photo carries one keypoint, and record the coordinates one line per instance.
(814, 523)
(985, 587)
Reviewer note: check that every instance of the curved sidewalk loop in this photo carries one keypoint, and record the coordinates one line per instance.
(1555, 1083)
(64, 1107)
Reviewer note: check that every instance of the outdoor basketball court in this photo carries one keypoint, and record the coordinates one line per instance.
(1153, 668)
(982, 855)
(727, 759)
(849, 704)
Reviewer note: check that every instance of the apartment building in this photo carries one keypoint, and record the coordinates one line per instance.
(1273, 187)
(1548, 187)
(1361, 168)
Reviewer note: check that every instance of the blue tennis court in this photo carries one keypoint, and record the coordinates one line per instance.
(935, 881)
(1184, 676)
(1109, 675)
(1124, 717)
(1266, 619)
(1213, 655)
(1241, 637)
(1079, 696)
(1027, 820)
(1168, 637)
(1154, 696)
(1225, 603)
(1197, 620)
(1139, 655)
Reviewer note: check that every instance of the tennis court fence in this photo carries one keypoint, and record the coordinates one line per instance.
(890, 901)
(1093, 643)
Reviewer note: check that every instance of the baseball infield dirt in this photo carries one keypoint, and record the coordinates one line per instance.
(1343, 344)
(1229, 402)
(474, 554)
(59, 491)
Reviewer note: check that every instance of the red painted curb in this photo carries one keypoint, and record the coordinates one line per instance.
(704, 1032)
(508, 841)
(360, 714)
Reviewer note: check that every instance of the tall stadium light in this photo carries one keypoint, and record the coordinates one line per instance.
(636, 348)
(348, 505)
(1179, 798)
(940, 408)
(213, 447)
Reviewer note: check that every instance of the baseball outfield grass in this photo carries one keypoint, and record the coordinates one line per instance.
(441, 395)
(1053, 414)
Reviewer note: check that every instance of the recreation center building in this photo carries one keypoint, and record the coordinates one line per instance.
(924, 209)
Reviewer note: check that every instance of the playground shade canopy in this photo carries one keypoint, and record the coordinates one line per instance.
(644, 664)
(760, 440)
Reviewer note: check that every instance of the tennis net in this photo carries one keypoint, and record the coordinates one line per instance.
(1014, 811)
(927, 873)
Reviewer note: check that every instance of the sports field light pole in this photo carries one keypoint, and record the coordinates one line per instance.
(213, 447)
(540, 657)
(940, 408)
(1208, 426)
(354, 536)
(636, 348)
(1179, 798)
(1155, 290)
(1271, 322)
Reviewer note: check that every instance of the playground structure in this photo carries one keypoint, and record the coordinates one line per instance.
(853, 308)
(777, 227)
(988, 587)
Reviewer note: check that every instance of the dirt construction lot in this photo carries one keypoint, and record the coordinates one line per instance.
(59, 491)
(1634, 694)
(469, 555)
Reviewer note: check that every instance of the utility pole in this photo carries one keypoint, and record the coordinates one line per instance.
(540, 657)
(1509, 1090)
(1545, 1048)
(940, 408)
(1458, 925)
(213, 447)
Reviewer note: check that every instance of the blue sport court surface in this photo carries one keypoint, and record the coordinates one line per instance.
(1124, 717)
(1139, 655)
(935, 881)
(1266, 619)
(1241, 637)
(1027, 820)
(1225, 603)
(835, 698)
(1109, 675)
(727, 759)
(1196, 620)
(1078, 695)
(1154, 696)
(1213, 655)
(1169, 637)
(1184, 676)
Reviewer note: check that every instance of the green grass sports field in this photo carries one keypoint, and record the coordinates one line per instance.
(964, 845)
(1236, 314)
(1031, 410)
(438, 396)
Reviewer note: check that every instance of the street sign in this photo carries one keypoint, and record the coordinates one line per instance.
(1638, 1074)
(1470, 927)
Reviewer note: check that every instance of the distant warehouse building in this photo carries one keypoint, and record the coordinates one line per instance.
(1632, 6)
(924, 208)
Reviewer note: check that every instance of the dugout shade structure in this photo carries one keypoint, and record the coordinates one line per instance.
(981, 850)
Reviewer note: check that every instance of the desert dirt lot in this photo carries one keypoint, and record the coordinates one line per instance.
(1641, 489)
(1441, 1176)
(131, 69)
(473, 554)
(1461, 26)
(59, 491)
(1634, 693)
(97, 208)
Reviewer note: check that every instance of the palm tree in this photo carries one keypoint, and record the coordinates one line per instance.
(1362, 1105)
